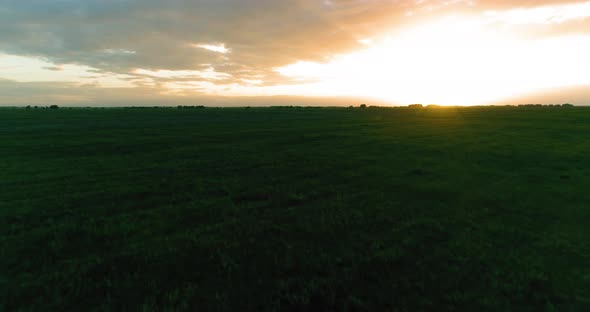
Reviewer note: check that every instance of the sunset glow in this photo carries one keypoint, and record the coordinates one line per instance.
(444, 52)
(455, 60)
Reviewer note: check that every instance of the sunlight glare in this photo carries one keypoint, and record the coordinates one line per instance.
(453, 61)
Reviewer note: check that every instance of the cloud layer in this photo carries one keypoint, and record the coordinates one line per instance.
(153, 44)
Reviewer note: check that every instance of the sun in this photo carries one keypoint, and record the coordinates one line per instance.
(453, 61)
(456, 60)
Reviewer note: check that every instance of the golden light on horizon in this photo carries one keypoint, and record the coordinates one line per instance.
(456, 60)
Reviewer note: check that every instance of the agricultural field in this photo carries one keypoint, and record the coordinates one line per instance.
(295, 209)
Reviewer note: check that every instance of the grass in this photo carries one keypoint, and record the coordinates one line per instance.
(295, 209)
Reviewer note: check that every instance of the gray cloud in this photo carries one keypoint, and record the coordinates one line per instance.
(261, 34)
(66, 94)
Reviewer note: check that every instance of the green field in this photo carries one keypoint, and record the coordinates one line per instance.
(295, 209)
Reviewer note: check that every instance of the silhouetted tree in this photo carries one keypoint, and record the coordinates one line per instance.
(363, 105)
(53, 107)
(415, 106)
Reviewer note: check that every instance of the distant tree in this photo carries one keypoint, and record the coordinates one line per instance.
(28, 107)
(363, 106)
(36, 106)
(567, 105)
(415, 106)
(53, 107)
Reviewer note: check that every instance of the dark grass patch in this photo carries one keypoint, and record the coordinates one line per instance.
(287, 209)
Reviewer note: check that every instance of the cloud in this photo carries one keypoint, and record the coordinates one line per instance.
(261, 34)
(67, 94)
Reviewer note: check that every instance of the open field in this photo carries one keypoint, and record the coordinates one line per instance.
(294, 209)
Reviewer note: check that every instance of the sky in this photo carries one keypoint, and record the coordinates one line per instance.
(293, 52)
